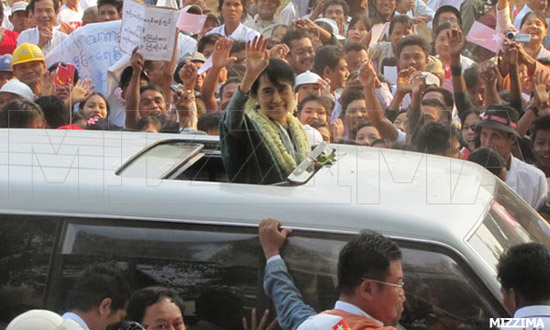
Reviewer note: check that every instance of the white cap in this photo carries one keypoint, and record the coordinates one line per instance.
(324, 322)
(36, 319)
(18, 6)
(307, 77)
(335, 29)
(18, 88)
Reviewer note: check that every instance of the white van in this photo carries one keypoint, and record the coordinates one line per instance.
(161, 208)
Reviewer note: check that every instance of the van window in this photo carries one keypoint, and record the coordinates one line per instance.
(440, 289)
(187, 258)
(509, 222)
(26, 245)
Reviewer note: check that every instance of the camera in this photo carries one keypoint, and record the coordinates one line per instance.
(518, 37)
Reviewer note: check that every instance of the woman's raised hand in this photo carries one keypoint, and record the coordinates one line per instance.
(257, 59)
(220, 56)
(257, 56)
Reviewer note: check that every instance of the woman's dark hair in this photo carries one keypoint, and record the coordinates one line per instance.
(471, 111)
(446, 9)
(361, 18)
(471, 76)
(278, 73)
(243, 3)
(538, 14)
(403, 19)
(142, 299)
(19, 114)
(102, 124)
(83, 103)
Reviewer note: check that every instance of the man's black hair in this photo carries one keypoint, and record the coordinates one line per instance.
(447, 95)
(367, 255)
(327, 56)
(231, 80)
(471, 76)
(19, 114)
(413, 40)
(209, 39)
(342, 3)
(354, 47)
(238, 46)
(542, 123)
(115, 3)
(322, 100)
(403, 19)
(97, 283)
(488, 158)
(55, 110)
(526, 269)
(31, 5)
(293, 34)
(278, 73)
(443, 110)
(141, 299)
(152, 87)
(210, 120)
(347, 98)
(445, 9)
(435, 138)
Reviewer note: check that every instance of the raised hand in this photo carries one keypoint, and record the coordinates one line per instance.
(271, 236)
(279, 51)
(539, 86)
(257, 59)
(263, 322)
(489, 73)
(188, 75)
(367, 76)
(418, 83)
(45, 35)
(510, 52)
(220, 56)
(404, 81)
(81, 90)
(337, 130)
(137, 61)
(457, 43)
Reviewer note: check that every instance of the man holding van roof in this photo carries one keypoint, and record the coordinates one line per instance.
(370, 281)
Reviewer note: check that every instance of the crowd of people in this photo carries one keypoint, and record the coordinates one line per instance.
(280, 77)
(370, 288)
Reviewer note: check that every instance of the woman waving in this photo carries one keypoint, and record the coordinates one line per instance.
(261, 141)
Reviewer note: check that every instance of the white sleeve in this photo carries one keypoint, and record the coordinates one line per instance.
(423, 9)
(542, 193)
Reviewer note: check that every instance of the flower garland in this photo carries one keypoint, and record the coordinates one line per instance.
(272, 138)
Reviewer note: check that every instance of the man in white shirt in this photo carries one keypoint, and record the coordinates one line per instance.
(497, 131)
(71, 13)
(98, 298)
(44, 35)
(524, 276)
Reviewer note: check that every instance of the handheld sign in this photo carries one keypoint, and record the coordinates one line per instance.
(192, 23)
(64, 75)
(151, 29)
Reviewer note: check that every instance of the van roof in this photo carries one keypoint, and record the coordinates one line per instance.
(396, 192)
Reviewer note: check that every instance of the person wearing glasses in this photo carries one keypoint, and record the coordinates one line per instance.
(370, 282)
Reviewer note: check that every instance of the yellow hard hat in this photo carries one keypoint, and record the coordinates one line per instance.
(26, 52)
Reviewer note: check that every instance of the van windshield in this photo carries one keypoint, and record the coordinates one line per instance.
(509, 222)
